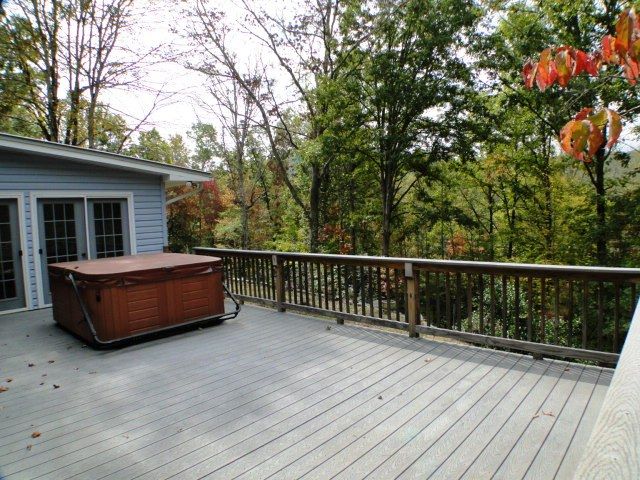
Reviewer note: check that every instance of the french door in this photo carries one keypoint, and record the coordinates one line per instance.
(62, 235)
(11, 277)
(78, 229)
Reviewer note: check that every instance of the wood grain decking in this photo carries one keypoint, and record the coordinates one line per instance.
(278, 395)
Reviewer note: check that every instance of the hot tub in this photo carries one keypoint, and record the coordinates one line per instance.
(113, 300)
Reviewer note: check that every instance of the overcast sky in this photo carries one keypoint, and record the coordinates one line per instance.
(184, 88)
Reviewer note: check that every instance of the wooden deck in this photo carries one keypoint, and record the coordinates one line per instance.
(279, 395)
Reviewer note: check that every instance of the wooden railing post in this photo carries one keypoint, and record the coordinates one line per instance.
(279, 266)
(412, 299)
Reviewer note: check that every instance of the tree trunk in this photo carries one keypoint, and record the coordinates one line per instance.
(601, 215)
(387, 200)
(491, 203)
(91, 120)
(314, 208)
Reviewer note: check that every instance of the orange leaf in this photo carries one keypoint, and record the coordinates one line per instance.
(581, 138)
(608, 49)
(624, 31)
(569, 136)
(615, 127)
(582, 114)
(35, 434)
(595, 140)
(546, 74)
(631, 70)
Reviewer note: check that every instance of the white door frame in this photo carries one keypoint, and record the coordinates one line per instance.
(85, 197)
(22, 231)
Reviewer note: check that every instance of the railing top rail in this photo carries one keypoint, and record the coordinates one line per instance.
(613, 449)
(525, 269)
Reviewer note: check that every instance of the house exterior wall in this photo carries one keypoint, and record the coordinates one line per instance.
(35, 176)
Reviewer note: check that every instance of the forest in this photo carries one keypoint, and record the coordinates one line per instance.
(371, 127)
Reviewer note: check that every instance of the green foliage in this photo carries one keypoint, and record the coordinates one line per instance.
(412, 134)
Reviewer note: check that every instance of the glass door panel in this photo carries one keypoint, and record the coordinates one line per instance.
(109, 228)
(62, 235)
(11, 278)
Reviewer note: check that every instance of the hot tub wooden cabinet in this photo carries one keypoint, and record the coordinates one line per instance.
(109, 301)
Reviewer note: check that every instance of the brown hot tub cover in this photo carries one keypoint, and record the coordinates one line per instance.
(110, 300)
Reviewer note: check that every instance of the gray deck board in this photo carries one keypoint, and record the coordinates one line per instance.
(278, 395)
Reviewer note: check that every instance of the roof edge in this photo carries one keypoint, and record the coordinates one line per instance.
(114, 160)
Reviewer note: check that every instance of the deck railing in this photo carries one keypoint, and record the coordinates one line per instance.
(564, 311)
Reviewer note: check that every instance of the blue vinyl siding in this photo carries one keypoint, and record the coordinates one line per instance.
(26, 176)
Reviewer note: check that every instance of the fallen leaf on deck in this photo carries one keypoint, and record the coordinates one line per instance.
(427, 360)
(51, 361)
(44, 374)
(31, 365)
(42, 383)
(9, 380)
(328, 327)
(56, 386)
(3, 389)
(536, 415)
(29, 447)
(92, 373)
(35, 434)
(380, 397)
(548, 414)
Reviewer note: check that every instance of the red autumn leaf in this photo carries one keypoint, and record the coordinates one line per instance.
(581, 63)
(584, 113)
(631, 70)
(608, 49)
(624, 31)
(529, 73)
(594, 62)
(615, 127)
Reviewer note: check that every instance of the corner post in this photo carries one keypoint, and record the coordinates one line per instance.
(412, 299)
(279, 266)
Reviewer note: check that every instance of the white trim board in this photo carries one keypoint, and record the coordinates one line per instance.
(85, 196)
(22, 228)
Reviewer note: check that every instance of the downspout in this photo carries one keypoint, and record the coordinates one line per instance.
(190, 193)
